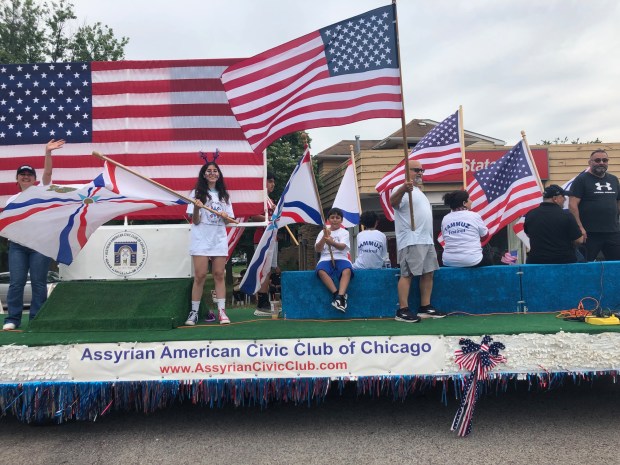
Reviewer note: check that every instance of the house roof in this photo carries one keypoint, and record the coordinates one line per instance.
(418, 128)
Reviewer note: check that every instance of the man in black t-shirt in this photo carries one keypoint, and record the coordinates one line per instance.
(595, 203)
(553, 231)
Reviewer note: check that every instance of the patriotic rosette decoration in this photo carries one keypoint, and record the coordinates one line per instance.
(479, 359)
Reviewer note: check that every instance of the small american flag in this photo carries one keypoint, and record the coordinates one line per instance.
(439, 152)
(505, 190)
(152, 116)
(341, 74)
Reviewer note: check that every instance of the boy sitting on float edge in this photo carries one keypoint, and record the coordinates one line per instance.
(337, 238)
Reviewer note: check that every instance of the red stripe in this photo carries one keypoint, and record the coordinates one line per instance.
(321, 91)
(161, 86)
(308, 59)
(338, 105)
(325, 122)
(158, 135)
(242, 183)
(154, 64)
(294, 216)
(4, 222)
(158, 111)
(244, 63)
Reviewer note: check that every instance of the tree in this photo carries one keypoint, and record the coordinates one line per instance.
(282, 157)
(558, 140)
(38, 31)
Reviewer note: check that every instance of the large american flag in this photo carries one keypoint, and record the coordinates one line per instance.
(341, 74)
(505, 190)
(152, 116)
(440, 154)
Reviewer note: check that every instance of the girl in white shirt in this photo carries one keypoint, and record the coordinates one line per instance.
(208, 238)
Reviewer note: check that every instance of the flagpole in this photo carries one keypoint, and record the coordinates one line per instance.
(357, 189)
(402, 117)
(161, 186)
(462, 137)
(529, 152)
(318, 198)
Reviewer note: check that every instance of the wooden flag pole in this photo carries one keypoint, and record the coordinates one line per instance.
(529, 153)
(462, 137)
(161, 186)
(403, 122)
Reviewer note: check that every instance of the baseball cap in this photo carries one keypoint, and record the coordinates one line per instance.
(553, 190)
(26, 169)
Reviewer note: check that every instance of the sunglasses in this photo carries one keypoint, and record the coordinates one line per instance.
(598, 160)
(418, 170)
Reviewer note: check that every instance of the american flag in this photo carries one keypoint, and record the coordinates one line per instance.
(439, 152)
(505, 190)
(152, 116)
(341, 74)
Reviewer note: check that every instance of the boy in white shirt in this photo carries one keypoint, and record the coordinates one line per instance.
(372, 250)
(336, 238)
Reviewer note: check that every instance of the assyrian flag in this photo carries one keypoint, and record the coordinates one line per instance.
(58, 220)
(299, 204)
(347, 198)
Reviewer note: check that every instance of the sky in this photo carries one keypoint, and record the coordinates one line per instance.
(549, 67)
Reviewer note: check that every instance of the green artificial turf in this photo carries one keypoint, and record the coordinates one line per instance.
(246, 326)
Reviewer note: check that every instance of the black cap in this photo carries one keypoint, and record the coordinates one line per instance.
(26, 169)
(553, 190)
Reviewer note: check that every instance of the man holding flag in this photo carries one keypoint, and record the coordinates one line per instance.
(416, 251)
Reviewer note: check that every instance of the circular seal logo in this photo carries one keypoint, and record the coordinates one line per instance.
(125, 253)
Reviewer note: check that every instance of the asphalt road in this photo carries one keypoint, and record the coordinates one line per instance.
(571, 425)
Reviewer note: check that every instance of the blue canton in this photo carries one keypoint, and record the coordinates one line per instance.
(499, 176)
(445, 133)
(363, 43)
(43, 101)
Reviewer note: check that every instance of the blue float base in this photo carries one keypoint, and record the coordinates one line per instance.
(494, 289)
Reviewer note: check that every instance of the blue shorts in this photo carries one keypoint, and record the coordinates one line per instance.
(334, 272)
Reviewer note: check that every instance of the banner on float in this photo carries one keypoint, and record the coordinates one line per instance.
(271, 358)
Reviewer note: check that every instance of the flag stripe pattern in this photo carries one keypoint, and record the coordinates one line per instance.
(347, 198)
(439, 152)
(341, 74)
(152, 116)
(69, 215)
(298, 204)
(506, 190)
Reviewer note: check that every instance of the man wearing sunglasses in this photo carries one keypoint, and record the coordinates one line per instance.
(416, 251)
(595, 203)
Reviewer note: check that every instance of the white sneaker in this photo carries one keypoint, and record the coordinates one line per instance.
(192, 318)
(9, 327)
(224, 320)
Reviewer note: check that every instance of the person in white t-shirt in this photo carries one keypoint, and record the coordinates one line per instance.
(208, 238)
(333, 243)
(462, 232)
(372, 250)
